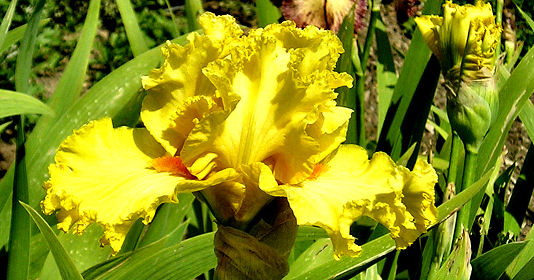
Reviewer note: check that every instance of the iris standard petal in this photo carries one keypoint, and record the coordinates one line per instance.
(180, 78)
(272, 96)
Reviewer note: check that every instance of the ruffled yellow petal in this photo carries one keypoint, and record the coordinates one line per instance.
(419, 195)
(170, 86)
(348, 186)
(484, 38)
(273, 93)
(330, 130)
(456, 24)
(429, 27)
(108, 176)
(180, 78)
(221, 30)
(311, 48)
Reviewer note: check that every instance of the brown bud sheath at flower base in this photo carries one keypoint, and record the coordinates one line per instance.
(250, 124)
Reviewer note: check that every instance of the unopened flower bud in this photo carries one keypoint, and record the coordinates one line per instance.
(464, 40)
(472, 108)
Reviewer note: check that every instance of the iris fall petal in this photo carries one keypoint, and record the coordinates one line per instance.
(105, 175)
(348, 186)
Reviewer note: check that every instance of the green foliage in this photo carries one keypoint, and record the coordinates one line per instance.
(65, 63)
(16, 103)
(524, 33)
(64, 262)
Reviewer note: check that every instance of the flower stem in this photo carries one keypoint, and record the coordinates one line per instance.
(173, 18)
(498, 19)
(467, 180)
(453, 160)
(193, 8)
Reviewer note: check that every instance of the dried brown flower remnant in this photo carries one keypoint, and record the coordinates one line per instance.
(406, 9)
(327, 14)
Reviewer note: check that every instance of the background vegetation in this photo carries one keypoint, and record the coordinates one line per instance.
(82, 49)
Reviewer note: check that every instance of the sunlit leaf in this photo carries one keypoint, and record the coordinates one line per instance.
(64, 262)
(131, 25)
(527, 118)
(70, 85)
(386, 76)
(347, 97)
(16, 103)
(267, 13)
(492, 264)
(19, 232)
(412, 96)
(185, 260)
(6, 21)
(167, 219)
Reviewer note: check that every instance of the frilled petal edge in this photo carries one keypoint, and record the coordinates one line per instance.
(172, 86)
(106, 176)
(348, 185)
(429, 28)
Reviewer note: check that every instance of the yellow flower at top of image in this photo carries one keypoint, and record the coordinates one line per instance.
(464, 39)
(241, 119)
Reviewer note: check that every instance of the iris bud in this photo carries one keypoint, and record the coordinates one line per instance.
(472, 108)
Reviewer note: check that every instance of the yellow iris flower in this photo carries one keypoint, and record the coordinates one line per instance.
(241, 119)
(464, 39)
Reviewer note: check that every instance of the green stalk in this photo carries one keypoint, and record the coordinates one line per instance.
(498, 11)
(175, 23)
(193, 8)
(468, 179)
(375, 13)
(19, 234)
(498, 19)
(453, 160)
(481, 242)
(360, 83)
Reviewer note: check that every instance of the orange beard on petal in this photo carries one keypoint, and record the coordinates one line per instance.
(174, 165)
(318, 169)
